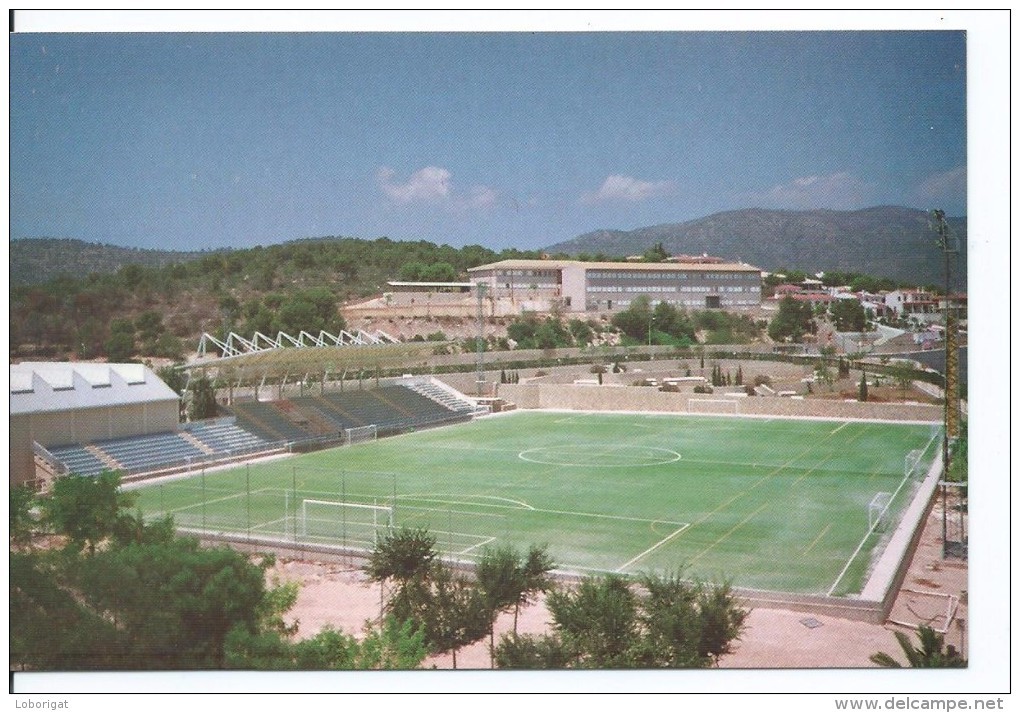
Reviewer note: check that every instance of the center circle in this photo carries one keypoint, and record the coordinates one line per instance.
(595, 456)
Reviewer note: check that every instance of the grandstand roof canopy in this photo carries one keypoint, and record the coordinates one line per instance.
(38, 387)
(319, 359)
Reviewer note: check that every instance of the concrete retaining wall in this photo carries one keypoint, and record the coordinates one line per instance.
(853, 609)
(643, 398)
(891, 568)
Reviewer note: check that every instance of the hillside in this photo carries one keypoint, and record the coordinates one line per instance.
(886, 241)
(161, 309)
(39, 260)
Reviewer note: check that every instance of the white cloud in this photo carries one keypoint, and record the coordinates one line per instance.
(429, 185)
(837, 191)
(949, 186)
(432, 185)
(626, 188)
(481, 197)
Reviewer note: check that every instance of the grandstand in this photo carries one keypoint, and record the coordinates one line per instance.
(56, 404)
(256, 427)
(391, 409)
(87, 418)
(194, 445)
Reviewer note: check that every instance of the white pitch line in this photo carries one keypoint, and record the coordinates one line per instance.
(609, 517)
(415, 497)
(839, 428)
(216, 500)
(654, 547)
(268, 524)
(475, 547)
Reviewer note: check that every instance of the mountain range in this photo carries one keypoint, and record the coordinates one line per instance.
(886, 241)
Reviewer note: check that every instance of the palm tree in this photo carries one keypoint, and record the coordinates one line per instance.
(930, 655)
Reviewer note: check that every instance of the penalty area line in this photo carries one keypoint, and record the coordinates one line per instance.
(839, 428)
(475, 547)
(654, 547)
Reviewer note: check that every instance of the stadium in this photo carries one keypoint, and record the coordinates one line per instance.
(319, 451)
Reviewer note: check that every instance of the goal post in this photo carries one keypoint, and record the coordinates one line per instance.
(713, 406)
(360, 434)
(341, 521)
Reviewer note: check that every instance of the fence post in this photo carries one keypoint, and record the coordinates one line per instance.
(293, 487)
(247, 488)
(205, 497)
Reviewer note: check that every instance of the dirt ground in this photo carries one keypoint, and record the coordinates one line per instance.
(339, 595)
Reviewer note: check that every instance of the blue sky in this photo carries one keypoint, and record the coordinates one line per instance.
(190, 141)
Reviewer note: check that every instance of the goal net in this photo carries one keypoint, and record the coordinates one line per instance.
(344, 523)
(917, 462)
(721, 406)
(360, 434)
(878, 511)
(912, 464)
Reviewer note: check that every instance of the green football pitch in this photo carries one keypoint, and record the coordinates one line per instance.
(771, 504)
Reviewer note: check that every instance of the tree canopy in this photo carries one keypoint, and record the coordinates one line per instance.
(794, 320)
(849, 316)
(146, 599)
(86, 509)
(607, 622)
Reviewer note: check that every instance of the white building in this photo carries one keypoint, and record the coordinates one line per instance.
(611, 286)
(915, 303)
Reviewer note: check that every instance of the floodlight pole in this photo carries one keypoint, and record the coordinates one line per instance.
(480, 339)
(943, 243)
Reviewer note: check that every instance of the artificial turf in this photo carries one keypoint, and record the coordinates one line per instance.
(773, 504)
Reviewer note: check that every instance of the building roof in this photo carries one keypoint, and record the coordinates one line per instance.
(650, 266)
(41, 387)
(813, 297)
(399, 283)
